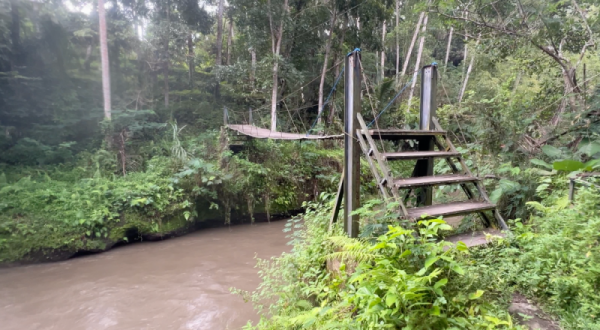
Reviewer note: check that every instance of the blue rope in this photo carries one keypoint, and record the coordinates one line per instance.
(391, 102)
(355, 50)
(395, 97)
(337, 80)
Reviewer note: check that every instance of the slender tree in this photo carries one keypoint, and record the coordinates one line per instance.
(276, 39)
(325, 61)
(104, 59)
(412, 44)
(420, 52)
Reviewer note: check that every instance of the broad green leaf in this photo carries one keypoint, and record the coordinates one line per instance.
(431, 260)
(495, 195)
(540, 162)
(461, 246)
(590, 148)
(568, 165)
(476, 295)
(390, 299)
(457, 269)
(435, 310)
(440, 283)
(551, 151)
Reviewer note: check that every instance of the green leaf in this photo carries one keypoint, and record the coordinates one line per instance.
(540, 162)
(431, 260)
(435, 311)
(476, 295)
(457, 269)
(461, 246)
(440, 283)
(405, 253)
(496, 194)
(590, 148)
(551, 151)
(390, 299)
(568, 165)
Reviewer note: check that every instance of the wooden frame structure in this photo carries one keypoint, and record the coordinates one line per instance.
(429, 137)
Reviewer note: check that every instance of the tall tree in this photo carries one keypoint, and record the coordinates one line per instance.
(104, 59)
(326, 57)
(276, 39)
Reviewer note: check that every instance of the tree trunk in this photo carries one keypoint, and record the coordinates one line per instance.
(324, 69)
(412, 44)
(15, 32)
(104, 60)
(420, 52)
(397, 41)
(448, 48)
(229, 41)
(337, 71)
(253, 65)
(218, 60)
(466, 80)
(167, 57)
(382, 66)
(191, 64)
(219, 32)
(276, 37)
(88, 58)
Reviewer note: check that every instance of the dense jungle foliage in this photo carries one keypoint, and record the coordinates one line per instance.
(93, 155)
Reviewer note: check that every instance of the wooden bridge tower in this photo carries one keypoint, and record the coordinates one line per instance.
(429, 137)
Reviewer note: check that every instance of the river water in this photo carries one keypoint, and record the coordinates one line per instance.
(181, 283)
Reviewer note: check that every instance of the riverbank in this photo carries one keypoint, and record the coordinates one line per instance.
(133, 235)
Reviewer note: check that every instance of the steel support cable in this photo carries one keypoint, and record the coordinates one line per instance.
(371, 103)
(337, 80)
(390, 103)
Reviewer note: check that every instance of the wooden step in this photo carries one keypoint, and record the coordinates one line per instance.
(398, 134)
(433, 180)
(418, 154)
(456, 208)
(474, 238)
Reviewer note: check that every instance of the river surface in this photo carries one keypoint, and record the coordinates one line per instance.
(181, 283)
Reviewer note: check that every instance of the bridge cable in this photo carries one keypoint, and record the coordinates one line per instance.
(337, 80)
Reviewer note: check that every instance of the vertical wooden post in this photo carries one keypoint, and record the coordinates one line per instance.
(424, 167)
(351, 147)
(250, 116)
(225, 121)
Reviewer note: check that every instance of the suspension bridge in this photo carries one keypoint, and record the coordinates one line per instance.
(430, 142)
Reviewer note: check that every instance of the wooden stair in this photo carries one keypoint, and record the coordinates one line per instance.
(390, 187)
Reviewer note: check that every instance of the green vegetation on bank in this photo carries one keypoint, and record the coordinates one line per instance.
(88, 208)
(407, 279)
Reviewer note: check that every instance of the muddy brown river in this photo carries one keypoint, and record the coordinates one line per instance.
(181, 283)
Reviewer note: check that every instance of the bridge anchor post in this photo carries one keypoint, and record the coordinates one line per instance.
(352, 106)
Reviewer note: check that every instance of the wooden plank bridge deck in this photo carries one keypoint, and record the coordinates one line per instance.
(263, 133)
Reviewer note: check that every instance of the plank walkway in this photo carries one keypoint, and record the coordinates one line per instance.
(263, 133)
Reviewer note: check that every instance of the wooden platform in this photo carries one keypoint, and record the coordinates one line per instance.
(396, 134)
(263, 133)
(449, 209)
(419, 154)
(433, 180)
(474, 238)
